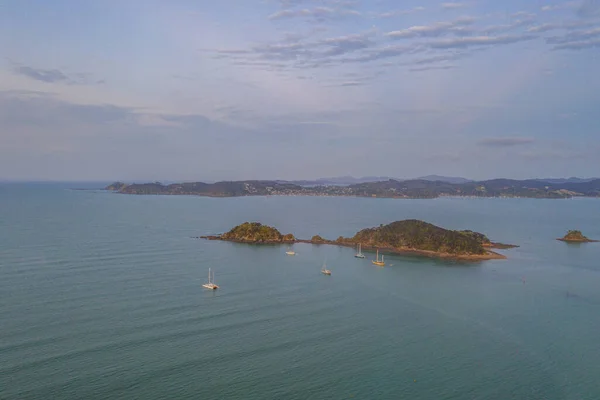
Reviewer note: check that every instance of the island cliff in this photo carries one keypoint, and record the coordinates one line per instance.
(575, 236)
(409, 237)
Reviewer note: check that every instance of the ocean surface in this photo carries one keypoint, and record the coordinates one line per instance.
(101, 298)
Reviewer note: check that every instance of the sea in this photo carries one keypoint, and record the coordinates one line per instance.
(101, 297)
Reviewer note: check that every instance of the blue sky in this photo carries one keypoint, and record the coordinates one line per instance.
(293, 89)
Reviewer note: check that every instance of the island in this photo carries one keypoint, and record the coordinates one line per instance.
(408, 237)
(255, 233)
(390, 188)
(574, 236)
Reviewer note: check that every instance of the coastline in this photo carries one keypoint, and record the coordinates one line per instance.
(578, 240)
(441, 196)
(489, 255)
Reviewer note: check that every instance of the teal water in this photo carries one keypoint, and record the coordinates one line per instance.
(101, 298)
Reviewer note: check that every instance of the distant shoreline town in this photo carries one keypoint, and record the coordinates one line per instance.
(388, 188)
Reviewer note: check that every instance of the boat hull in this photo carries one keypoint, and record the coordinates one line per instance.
(210, 286)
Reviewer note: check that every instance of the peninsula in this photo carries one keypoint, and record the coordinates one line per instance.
(574, 236)
(390, 188)
(408, 237)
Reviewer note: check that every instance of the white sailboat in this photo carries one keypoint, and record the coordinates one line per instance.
(359, 253)
(324, 270)
(211, 282)
(377, 261)
(290, 252)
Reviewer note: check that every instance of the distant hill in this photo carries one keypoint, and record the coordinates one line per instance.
(338, 180)
(566, 180)
(448, 179)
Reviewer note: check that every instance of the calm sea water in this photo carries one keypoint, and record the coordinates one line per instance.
(101, 298)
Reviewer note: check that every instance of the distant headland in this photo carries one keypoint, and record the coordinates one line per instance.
(408, 237)
(390, 188)
(575, 236)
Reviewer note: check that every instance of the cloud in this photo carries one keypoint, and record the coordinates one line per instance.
(397, 13)
(42, 75)
(437, 29)
(569, 25)
(453, 6)
(523, 14)
(388, 51)
(317, 13)
(505, 141)
(438, 58)
(441, 67)
(586, 44)
(53, 75)
(350, 84)
(306, 54)
(561, 6)
(576, 36)
(479, 41)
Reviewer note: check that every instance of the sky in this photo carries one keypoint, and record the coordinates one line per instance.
(154, 90)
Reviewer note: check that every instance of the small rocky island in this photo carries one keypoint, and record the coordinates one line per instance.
(575, 236)
(254, 233)
(408, 237)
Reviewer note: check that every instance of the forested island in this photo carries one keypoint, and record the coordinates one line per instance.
(408, 237)
(391, 188)
(575, 236)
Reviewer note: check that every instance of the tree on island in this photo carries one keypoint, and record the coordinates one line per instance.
(255, 232)
(317, 239)
(575, 236)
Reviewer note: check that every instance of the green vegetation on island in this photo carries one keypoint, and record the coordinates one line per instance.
(420, 236)
(576, 236)
(254, 232)
(400, 237)
(317, 239)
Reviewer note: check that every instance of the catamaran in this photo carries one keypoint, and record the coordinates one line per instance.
(359, 254)
(378, 262)
(324, 270)
(211, 282)
(290, 252)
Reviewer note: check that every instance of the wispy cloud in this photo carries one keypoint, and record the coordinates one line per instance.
(561, 6)
(581, 45)
(42, 75)
(479, 41)
(576, 36)
(397, 13)
(566, 25)
(441, 67)
(436, 29)
(53, 75)
(505, 141)
(453, 5)
(523, 14)
(317, 13)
